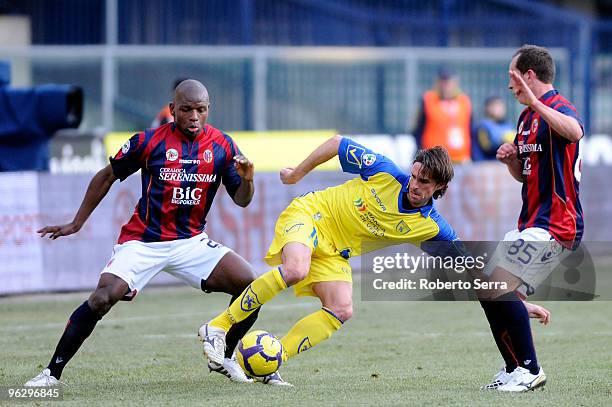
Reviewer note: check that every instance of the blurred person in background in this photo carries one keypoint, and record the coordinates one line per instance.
(492, 131)
(445, 118)
(165, 114)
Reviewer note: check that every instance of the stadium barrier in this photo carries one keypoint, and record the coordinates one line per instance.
(482, 204)
(271, 150)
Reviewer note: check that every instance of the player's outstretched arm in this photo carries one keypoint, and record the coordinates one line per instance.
(246, 171)
(321, 154)
(97, 189)
(507, 155)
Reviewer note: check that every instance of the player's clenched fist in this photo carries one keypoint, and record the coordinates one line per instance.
(244, 167)
(506, 153)
(289, 176)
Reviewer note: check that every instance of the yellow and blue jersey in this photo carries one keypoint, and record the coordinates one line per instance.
(370, 208)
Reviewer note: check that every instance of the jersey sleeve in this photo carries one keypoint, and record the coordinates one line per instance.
(128, 159)
(230, 176)
(445, 233)
(570, 111)
(445, 242)
(357, 159)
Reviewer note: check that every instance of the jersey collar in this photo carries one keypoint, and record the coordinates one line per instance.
(425, 209)
(547, 96)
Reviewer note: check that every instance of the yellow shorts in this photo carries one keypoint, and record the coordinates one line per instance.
(297, 224)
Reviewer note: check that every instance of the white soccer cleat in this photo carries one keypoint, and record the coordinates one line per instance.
(44, 379)
(214, 343)
(273, 379)
(522, 380)
(231, 369)
(502, 377)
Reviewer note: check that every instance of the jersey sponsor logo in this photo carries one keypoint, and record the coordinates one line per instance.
(186, 196)
(126, 147)
(372, 224)
(179, 174)
(378, 200)
(534, 126)
(354, 154)
(181, 161)
(402, 228)
(360, 205)
(369, 159)
(527, 166)
(208, 156)
(249, 300)
(528, 148)
(171, 154)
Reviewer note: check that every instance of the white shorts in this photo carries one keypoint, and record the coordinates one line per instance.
(530, 255)
(190, 260)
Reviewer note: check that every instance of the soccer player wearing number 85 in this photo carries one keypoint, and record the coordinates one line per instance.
(544, 158)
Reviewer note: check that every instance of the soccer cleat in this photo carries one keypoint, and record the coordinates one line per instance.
(522, 380)
(273, 379)
(502, 377)
(44, 379)
(231, 369)
(214, 343)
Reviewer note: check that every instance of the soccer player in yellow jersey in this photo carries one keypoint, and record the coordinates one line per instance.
(318, 232)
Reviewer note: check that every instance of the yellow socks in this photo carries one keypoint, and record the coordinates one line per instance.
(260, 291)
(309, 331)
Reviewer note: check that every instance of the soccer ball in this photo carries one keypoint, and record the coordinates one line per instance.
(259, 353)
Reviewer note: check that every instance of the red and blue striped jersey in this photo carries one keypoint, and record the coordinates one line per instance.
(180, 178)
(551, 171)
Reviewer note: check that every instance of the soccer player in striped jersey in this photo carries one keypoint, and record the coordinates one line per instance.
(182, 165)
(544, 158)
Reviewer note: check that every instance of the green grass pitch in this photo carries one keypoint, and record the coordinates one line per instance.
(391, 353)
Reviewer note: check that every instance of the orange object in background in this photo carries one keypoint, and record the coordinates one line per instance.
(447, 124)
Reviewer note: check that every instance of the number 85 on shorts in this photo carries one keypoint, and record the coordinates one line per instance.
(531, 255)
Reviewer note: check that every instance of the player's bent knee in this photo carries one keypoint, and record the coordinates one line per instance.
(101, 301)
(293, 273)
(342, 312)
